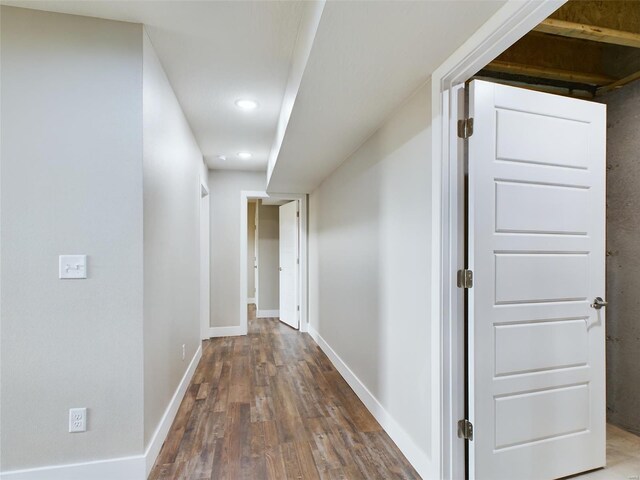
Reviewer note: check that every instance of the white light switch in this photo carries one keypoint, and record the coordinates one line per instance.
(73, 266)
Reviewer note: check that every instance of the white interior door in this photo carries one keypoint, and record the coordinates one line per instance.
(536, 249)
(289, 242)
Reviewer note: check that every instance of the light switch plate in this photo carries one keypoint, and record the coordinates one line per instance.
(72, 266)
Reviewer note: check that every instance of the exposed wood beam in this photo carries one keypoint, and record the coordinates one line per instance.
(550, 73)
(620, 83)
(563, 91)
(589, 32)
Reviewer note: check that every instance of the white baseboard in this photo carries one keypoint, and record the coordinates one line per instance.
(162, 430)
(226, 331)
(135, 467)
(251, 300)
(267, 313)
(407, 446)
(126, 468)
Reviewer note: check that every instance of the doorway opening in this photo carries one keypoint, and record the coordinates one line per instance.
(273, 258)
(273, 244)
(588, 51)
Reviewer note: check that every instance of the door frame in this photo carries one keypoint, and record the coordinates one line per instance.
(205, 259)
(515, 19)
(255, 259)
(256, 275)
(245, 195)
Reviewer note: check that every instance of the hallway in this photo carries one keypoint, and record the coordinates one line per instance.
(271, 405)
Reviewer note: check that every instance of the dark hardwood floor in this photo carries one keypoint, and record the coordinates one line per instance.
(272, 406)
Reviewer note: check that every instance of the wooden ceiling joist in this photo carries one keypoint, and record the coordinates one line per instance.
(589, 32)
(620, 83)
(550, 73)
(564, 91)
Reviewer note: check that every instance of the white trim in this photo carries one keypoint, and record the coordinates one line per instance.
(303, 297)
(162, 430)
(245, 195)
(204, 258)
(267, 313)
(125, 468)
(256, 252)
(251, 300)
(416, 456)
(135, 467)
(233, 331)
(515, 19)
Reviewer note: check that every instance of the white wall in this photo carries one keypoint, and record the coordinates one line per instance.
(71, 183)
(251, 249)
(369, 284)
(173, 166)
(225, 187)
(268, 258)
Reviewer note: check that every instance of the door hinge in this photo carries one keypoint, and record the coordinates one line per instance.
(465, 127)
(465, 278)
(298, 308)
(465, 429)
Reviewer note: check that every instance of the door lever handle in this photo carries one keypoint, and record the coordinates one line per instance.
(598, 303)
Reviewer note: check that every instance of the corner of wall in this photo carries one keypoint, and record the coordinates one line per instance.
(173, 171)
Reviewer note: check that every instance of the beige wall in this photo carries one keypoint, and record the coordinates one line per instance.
(173, 167)
(370, 247)
(268, 258)
(225, 187)
(251, 250)
(71, 183)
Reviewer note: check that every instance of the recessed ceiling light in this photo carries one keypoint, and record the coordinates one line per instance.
(244, 155)
(246, 104)
(222, 157)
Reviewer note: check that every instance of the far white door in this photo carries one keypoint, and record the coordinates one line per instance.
(537, 252)
(289, 264)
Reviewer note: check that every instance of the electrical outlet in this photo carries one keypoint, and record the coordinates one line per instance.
(77, 420)
(184, 352)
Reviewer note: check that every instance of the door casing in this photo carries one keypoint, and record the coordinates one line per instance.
(205, 267)
(302, 198)
(509, 24)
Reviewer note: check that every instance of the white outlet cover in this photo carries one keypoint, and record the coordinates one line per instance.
(72, 266)
(77, 420)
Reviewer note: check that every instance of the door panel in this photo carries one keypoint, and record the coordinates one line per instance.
(552, 413)
(540, 277)
(533, 346)
(525, 136)
(536, 247)
(289, 244)
(523, 207)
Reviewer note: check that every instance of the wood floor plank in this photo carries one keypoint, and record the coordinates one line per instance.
(272, 406)
(203, 391)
